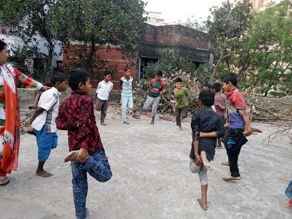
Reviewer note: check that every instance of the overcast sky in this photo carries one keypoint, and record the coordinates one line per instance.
(174, 10)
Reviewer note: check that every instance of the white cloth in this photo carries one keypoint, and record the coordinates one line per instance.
(49, 101)
(103, 90)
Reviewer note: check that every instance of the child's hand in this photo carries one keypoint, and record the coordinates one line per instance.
(198, 158)
(82, 155)
(247, 131)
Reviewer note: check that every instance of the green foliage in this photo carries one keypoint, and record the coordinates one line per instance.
(170, 62)
(28, 18)
(100, 22)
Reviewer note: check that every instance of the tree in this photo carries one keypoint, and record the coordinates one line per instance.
(227, 26)
(271, 39)
(30, 18)
(101, 22)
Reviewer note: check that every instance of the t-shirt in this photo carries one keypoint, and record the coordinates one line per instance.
(49, 101)
(103, 90)
(219, 99)
(181, 99)
(206, 120)
(235, 102)
(155, 88)
(126, 87)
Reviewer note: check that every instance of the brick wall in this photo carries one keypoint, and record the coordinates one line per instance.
(113, 56)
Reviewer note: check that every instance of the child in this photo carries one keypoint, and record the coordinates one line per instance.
(156, 86)
(127, 85)
(102, 93)
(181, 102)
(206, 86)
(206, 127)
(86, 154)
(238, 123)
(219, 104)
(44, 121)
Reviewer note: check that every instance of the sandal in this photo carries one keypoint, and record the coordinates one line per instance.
(4, 181)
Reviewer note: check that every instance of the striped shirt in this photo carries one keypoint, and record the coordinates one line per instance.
(126, 87)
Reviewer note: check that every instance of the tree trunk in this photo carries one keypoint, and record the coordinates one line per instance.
(90, 55)
(50, 60)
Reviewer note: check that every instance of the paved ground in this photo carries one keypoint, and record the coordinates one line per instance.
(151, 177)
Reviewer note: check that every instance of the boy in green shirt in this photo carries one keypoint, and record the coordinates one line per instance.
(181, 102)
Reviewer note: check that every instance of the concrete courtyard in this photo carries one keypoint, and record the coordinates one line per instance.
(151, 178)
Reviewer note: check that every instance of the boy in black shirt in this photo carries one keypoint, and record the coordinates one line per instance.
(206, 127)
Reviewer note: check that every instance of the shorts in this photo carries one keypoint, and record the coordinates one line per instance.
(46, 142)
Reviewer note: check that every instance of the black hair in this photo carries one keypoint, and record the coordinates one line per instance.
(206, 85)
(177, 80)
(159, 73)
(58, 77)
(127, 68)
(231, 77)
(107, 73)
(76, 76)
(207, 97)
(57, 70)
(216, 86)
(2, 45)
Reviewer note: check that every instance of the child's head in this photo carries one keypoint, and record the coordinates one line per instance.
(127, 71)
(206, 98)
(59, 81)
(178, 83)
(107, 76)
(79, 81)
(229, 82)
(206, 86)
(216, 87)
(159, 76)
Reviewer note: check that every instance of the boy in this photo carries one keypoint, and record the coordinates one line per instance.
(206, 127)
(44, 120)
(86, 154)
(102, 93)
(238, 126)
(219, 104)
(153, 97)
(206, 86)
(127, 85)
(181, 102)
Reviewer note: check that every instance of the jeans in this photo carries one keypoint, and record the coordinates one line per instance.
(127, 102)
(98, 167)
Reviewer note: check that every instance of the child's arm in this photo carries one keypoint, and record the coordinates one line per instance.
(35, 104)
(150, 86)
(248, 130)
(36, 113)
(63, 123)
(196, 151)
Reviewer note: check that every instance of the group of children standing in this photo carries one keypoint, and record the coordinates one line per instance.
(86, 152)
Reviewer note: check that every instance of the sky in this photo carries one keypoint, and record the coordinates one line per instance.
(174, 10)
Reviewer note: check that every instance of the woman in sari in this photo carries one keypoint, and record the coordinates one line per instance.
(9, 113)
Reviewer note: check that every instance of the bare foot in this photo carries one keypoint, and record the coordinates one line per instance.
(179, 129)
(218, 147)
(228, 178)
(4, 180)
(71, 156)
(225, 163)
(43, 173)
(206, 163)
(152, 122)
(203, 205)
(127, 123)
(24, 130)
(103, 124)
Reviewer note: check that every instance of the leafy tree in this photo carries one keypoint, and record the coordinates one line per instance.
(271, 39)
(100, 22)
(28, 18)
(227, 26)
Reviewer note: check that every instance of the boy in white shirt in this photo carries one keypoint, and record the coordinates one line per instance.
(102, 93)
(44, 120)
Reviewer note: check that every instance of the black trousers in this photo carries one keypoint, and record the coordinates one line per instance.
(235, 140)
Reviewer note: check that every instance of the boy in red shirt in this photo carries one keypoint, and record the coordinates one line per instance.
(87, 155)
(155, 87)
